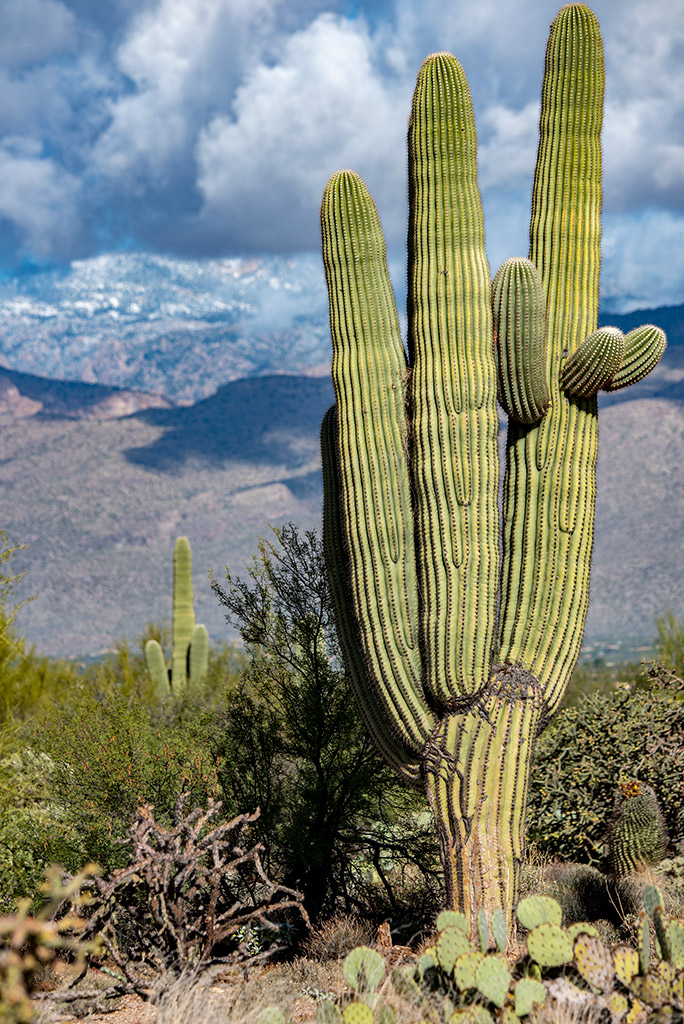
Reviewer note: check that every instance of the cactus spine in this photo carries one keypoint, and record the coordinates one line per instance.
(454, 693)
(190, 642)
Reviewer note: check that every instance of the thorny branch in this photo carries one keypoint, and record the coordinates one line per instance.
(188, 898)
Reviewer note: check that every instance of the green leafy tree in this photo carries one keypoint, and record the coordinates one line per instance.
(293, 744)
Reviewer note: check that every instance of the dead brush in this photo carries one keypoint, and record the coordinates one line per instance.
(189, 900)
(336, 937)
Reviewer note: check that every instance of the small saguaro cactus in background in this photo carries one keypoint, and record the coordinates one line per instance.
(190, 643)
(461, 637)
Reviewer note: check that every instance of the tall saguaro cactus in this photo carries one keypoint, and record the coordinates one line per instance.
(190, 642)
(460, 652)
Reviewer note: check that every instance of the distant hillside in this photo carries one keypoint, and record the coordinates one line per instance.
(183, 328)
(23, 395)
(100, 501)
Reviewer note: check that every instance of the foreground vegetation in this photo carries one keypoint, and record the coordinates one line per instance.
(85, 751)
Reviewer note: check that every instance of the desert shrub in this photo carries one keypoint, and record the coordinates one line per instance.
(187, 898)
(82, 746)
(29, 682)
(636, 731)
(109, 753)
(293, 742)
(669, 642)
(33, 829)
(71, 782)
(336, 937)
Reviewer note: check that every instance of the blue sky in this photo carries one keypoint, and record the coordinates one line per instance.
(202, 128)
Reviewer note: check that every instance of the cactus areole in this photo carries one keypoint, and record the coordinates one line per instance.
(460, 634)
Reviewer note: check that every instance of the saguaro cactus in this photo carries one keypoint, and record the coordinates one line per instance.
(190, 643)
(460, 652)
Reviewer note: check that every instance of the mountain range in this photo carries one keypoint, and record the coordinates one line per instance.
(214, 435)
(178, 327)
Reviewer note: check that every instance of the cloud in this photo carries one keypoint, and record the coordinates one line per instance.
(32, 31)
(643, 260)
(39, 199)
(322, 107)
(182, 60)
(507, 158)
(201, 127)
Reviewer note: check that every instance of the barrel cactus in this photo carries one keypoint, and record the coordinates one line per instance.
(190, 642)
(636, 835)
(460, 635)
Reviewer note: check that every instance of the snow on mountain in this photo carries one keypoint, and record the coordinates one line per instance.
(179, 327)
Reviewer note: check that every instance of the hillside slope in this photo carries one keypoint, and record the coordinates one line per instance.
(101, 501)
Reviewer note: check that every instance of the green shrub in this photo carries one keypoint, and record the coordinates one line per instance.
(670, 642)
(82, 747)
(636, 731)
(293, 743)
(107, 753)
(72, 780)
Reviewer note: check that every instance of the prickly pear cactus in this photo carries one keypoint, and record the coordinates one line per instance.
(190, 650)
(455, 981)
(460, 648)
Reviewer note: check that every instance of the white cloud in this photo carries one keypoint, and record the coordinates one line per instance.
(183, 60)
(643, 259)
(35, 100)
(508, 156)
(322, 107)
(39, 200)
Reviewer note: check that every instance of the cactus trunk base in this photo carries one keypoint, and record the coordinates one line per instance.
(476, 772)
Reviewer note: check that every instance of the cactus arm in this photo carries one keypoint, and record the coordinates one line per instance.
(401, 759)
(644, 347)
(369, 376)
(453, 386)
(518, 305)
(198, 654)
(594, 363)
(156, 666)
(183, 621)
(550, 487)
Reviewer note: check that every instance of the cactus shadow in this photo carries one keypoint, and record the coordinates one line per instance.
(260, 420)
